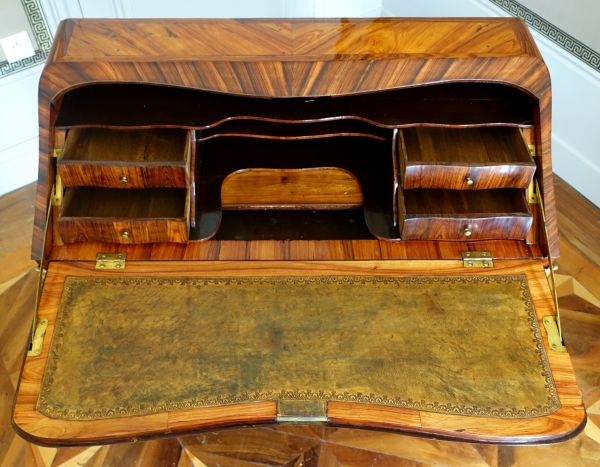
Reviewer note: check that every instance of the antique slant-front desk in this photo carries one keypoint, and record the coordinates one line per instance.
(348, 222)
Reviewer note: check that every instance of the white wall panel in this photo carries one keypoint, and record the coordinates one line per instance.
(579, 18)
(19, 129)
(229, 8)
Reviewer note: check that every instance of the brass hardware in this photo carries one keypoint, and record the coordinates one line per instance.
(468, 232)
(532, 195)
(310, 410)
(551, 269)
(301, 419)
(469, 181)
(554, 339)
(57, 192)
(123, 180)
(110, 260)
(125, 235)
(38, 328)
(38, 337)
(57, 153)
(477, 259)
(531, 148)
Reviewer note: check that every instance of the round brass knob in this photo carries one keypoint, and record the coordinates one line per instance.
(469, 181)
(468, 232)
(123, 180)
(125, 235)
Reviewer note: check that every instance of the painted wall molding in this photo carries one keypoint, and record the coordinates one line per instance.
(37, 21)
(551, 32)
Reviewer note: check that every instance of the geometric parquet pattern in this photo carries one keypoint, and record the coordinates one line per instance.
(578, 284)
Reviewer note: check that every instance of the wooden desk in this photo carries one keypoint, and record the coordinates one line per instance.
(387, 149)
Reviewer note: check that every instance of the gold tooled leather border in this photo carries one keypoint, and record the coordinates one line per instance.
(553, 403)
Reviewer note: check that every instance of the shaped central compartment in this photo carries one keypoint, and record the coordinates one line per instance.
(267, 180)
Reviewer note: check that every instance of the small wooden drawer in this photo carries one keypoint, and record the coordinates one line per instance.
(126, 158)
(465, 215)
(465, 158)
(124, 216)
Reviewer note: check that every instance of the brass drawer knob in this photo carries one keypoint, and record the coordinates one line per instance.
(469, 181)
(123, 180)
(468, 232)
(125, 235)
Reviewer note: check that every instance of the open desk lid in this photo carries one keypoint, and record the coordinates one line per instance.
(429, 347)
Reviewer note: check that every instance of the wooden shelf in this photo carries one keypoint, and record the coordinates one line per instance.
(370, 160)
(451, 104)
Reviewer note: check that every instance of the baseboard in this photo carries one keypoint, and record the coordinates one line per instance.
(576, 169)
(18, 165)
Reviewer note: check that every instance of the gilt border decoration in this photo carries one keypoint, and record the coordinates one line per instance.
(551, 32)
(43, 37)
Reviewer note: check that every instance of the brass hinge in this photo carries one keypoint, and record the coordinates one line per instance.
(110, 260)
(532, 195)
(551, 323)
(477, 259)
(57, 192)
(554, 339)
(56, 153)
(531, 148)
(38, 337)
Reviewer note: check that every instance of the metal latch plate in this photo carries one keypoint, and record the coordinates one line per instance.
(38, 337)
(551, 326)
(110, 260)
(477, 259)
(305, 411)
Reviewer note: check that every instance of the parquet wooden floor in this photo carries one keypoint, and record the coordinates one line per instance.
(579, 291)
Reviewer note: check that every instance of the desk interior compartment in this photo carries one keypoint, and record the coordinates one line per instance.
(124, 216)
(465, 215)
(118, 158)
(316, 185)
(465, 158)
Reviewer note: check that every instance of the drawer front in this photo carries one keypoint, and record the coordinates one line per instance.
(483, 228)
(128, 232)
(456, 177)
(121, 176)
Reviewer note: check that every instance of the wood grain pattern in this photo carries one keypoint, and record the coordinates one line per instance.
(290, 72)
(134, 216)
(369, 160)
(125, 159)
(296, 250)
(449, 158)
(563, 423)
(455, 214)
(325, 188)
(486, 37)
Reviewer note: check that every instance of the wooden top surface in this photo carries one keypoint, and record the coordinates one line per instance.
(327, 39)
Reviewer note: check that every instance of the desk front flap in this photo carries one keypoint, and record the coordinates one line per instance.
(430, 347)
